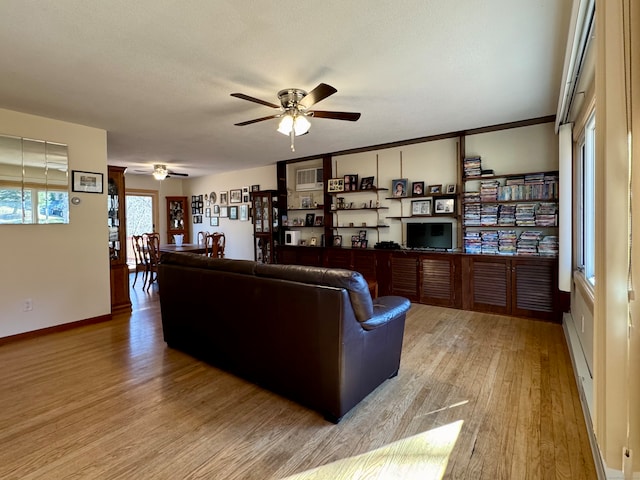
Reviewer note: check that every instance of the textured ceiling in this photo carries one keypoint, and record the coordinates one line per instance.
(158, 74)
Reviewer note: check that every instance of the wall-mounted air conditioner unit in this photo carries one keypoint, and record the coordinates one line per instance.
(309, 179)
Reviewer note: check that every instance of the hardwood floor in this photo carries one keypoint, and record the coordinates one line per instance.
(111, 401)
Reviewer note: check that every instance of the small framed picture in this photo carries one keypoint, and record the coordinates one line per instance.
(305, 202)
(233, 213)
(399, 187)
(243, 213)
(255, 188)
(335, 185)
(224, 211)
(235, 196)
(421, 207)
(245, 198)
(350, 183)
(224, 198)
(337, 240)
(216, 209)
(366, 183)
(310, 218)
(417, 189)
(318, 221)
(435, 189)
(214, 221)
(444, 205)
(451, 188)
(86, 182)
(313, 241)
(207, 212)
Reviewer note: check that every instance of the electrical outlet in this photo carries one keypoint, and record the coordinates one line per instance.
(28, 305)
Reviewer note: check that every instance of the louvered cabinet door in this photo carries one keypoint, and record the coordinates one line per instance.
(438, 281)
(404, 276)
(490, 285)
(534, 283)
(338, 258)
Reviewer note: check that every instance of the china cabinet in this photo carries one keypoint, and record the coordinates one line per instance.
(177, 219)
(120, 301)
(265, 225)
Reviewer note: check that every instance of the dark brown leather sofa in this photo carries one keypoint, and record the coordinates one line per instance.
(311, 334)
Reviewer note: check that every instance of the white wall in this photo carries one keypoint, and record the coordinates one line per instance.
(238, 234)
(64, 269)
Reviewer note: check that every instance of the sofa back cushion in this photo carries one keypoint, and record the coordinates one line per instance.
(200, 261)
(353, 282)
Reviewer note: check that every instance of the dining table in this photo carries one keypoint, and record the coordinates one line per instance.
(185, 247)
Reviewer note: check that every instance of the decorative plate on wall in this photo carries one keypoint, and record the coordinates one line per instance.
(213, 197)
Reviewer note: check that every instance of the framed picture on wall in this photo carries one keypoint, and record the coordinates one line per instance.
(233, 213)
(243, 213)
(235, 196)
(214, 221)
(86, 182)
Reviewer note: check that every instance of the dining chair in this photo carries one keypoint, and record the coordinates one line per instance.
(140, 256)
(153, 257)
(202, 236)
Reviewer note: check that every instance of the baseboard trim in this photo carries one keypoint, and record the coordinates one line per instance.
(56, 328)
(582, 376)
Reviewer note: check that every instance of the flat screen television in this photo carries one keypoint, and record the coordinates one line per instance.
(437, 236)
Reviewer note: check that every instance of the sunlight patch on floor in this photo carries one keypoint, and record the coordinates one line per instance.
(420, 457)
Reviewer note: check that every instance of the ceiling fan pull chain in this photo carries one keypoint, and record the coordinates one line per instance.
(292, 134)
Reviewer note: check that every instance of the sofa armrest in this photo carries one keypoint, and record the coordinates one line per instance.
(386, 309)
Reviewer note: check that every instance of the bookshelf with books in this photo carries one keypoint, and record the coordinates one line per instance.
(509, 214)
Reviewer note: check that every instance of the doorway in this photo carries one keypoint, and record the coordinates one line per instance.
(142, 216)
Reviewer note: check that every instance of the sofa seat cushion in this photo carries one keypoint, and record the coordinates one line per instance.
(353, 282)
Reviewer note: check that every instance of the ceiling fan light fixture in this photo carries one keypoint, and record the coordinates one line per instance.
(160, 172)
(298, 123)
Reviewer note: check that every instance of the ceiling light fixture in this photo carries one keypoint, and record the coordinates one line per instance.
(293, 124)
(160, 172)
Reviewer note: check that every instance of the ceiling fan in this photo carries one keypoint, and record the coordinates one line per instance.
(160, 172)
(295, 107)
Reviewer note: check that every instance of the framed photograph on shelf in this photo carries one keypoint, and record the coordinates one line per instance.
(417, 189)
(233, 213)
(310, 218)
(399, 187)
(435, 189)
(366, 183)
(306, 201)
(335, 185)
(318, 221)
(421, 207)
(313, 241)
(214, 221)
(235, 196)
(350, 183)
(451, 188)
(86, 182)
(444, 205)
(337, 240)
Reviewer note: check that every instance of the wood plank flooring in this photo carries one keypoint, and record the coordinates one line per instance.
(111, 401)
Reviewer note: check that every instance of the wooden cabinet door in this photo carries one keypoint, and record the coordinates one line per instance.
(534, 283)
(338, 258)
(364, 262)
(438, 280)
(404, 276)
(178, 219)
(489, 284)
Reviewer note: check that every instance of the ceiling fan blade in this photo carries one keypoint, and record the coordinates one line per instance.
(178, 174)
(321, 92)
(249, 122)
(349, 116)
(255, 100)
